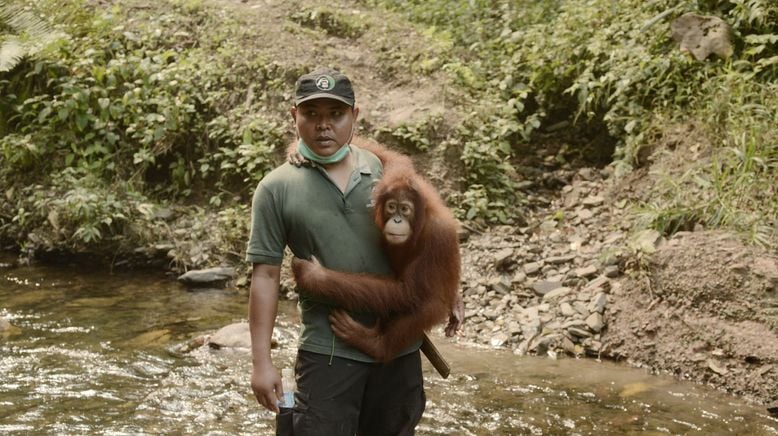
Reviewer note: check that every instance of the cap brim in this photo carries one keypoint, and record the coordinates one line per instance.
(323, 95)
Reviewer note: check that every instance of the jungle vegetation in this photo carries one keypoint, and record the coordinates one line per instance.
(125, 127)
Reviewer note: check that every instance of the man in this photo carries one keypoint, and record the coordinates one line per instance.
(324, 211)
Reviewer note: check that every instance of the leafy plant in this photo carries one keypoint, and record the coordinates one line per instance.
(417, 137)
(331, 21)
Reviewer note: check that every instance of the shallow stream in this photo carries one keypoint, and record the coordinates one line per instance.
(94, 353)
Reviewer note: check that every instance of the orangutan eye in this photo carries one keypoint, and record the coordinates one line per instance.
(391, 206)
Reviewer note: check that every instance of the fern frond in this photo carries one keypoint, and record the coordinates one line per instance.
(11, 53)
(29, 35)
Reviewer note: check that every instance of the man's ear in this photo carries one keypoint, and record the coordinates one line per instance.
(293, 112)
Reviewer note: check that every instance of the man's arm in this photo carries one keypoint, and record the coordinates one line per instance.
(263, 308)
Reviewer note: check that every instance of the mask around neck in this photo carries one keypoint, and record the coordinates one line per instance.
(309, 154)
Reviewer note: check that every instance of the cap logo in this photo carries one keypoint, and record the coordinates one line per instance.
(325, 82)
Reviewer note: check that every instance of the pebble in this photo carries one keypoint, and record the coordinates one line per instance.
(531, 268)
(544, 287)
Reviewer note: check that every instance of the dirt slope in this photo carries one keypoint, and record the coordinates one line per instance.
(707, 311)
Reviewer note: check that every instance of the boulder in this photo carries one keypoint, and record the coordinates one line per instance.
(7, 329)
(702, 35)
(209, 277)
(232, 336)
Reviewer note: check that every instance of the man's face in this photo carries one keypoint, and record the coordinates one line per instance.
(324, 124)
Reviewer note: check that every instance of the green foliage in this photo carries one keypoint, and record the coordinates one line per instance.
(107, 113)
(210, 237)
(76, 211)
(331, 21)
(522, 64)
(153, 104)
(737, 187)
(417, 137)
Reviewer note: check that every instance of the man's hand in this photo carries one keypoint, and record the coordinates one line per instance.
(266, 384)
(456, 318)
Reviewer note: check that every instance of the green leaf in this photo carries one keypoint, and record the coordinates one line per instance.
(159, 132)
(82, 120)
(63, 113)
(44, 114)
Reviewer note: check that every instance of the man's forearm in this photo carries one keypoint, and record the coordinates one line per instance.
(263, 308)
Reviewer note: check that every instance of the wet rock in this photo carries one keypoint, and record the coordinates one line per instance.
(7, 329)
(232, 336)
(150, 339)
(192, 344)
(218, 276)
(103, 302)
(568, 345)
(594, 322)
(542, 344)
(498, 340)
(579, 332)
(514, 328)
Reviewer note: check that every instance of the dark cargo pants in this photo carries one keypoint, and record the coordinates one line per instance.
(349, 398)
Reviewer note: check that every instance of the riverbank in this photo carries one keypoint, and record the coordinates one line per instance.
(574, 281)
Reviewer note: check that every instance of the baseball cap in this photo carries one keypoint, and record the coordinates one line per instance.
(324, 83)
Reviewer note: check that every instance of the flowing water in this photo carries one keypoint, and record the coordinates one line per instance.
(98, 353)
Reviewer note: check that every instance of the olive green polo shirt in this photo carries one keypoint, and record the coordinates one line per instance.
(302, 208)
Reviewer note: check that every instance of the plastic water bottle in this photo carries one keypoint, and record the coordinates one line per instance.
(289, 385)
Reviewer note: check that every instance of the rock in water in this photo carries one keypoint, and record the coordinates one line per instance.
(7, 329)
(218, 276)
(232, 336)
